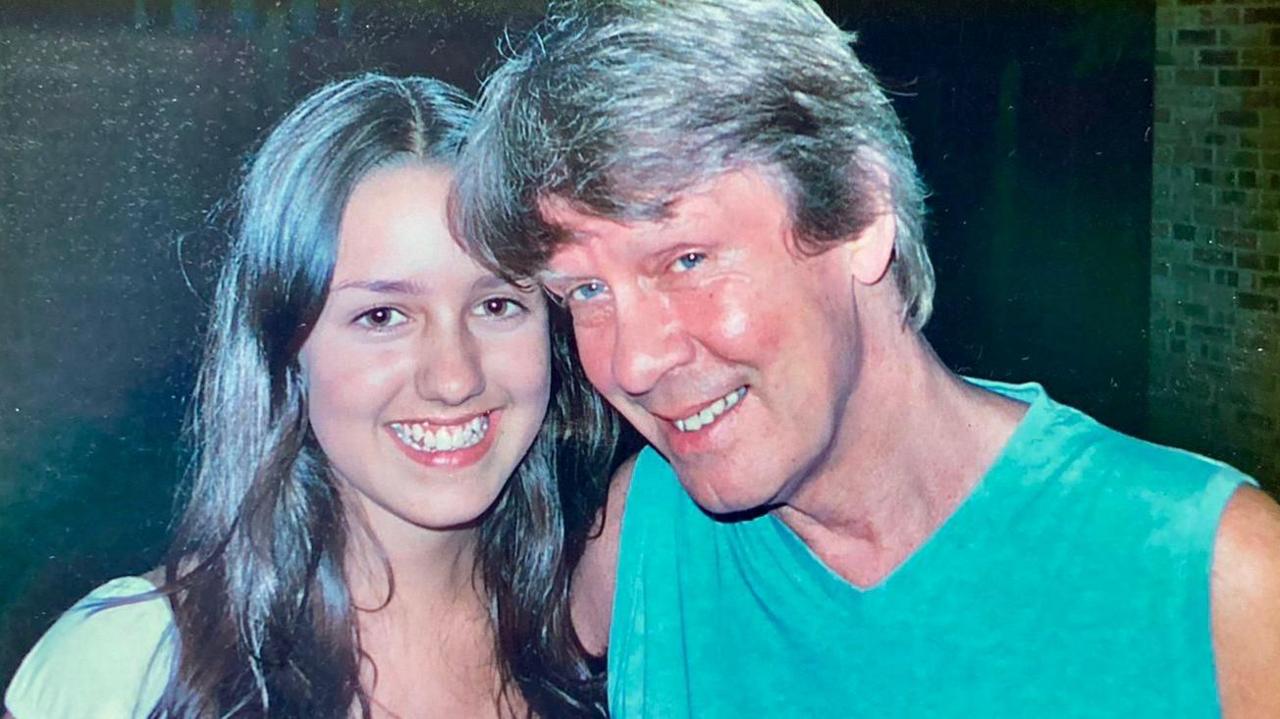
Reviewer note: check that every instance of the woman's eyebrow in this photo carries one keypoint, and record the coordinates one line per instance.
(397, 287)
(494, 282)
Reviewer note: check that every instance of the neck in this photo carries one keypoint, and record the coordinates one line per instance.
(913, 442)
(394, 567)
(426, 638)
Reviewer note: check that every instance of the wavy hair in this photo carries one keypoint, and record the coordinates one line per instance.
(265, 619)
(619, 106)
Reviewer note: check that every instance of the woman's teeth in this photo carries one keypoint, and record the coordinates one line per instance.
(421, 437)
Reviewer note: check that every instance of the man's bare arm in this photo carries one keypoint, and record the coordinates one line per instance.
(595, 576)
(1246, 606)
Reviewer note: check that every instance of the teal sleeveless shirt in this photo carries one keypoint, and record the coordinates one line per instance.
(1073, 582)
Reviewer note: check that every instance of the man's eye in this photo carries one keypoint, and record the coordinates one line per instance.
(499, 307)
(381, 318)
(585, 291)
(688, 261)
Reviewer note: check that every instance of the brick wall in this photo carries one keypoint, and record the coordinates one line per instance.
(1215, 315)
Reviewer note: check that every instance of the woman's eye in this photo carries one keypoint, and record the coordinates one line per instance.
(499, 307)
(381, 318)
(585, 291)
(688, 261)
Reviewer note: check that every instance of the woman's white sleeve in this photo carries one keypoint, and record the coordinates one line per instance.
(101, 662)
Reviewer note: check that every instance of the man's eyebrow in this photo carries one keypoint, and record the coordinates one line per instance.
(391, 287)
(545, 277)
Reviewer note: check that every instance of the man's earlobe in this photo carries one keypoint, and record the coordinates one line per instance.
(872, 251)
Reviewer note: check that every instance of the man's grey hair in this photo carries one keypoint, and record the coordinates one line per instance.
(617, 107)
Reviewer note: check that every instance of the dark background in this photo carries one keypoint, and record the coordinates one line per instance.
(124, 124)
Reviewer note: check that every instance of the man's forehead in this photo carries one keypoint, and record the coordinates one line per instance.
(575, 222)
(720, 200)
(581, 235)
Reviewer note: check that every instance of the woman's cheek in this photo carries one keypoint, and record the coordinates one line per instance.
(522, 364)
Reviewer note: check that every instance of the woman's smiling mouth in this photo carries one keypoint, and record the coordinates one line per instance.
(428, 437)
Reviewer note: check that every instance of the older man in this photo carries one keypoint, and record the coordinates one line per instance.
(830, 522)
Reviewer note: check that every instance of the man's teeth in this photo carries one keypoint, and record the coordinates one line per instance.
(444, 439)
(698, 420)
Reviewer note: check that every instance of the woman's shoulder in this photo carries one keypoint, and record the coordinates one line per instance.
(110, 655)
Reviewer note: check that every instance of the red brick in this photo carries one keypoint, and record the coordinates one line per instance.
(1260, 99)
(1261, 303)
(1192, 274)
(1197, 77)
(1268, 14)
(1197, 37)
(1238, 78)
(1192, 155)
(1248, 160)
(1261, 222)
(1233, 238)
(1236, 118)
(1219, 57)
(1256, 341)
(1270, 242)
(1214, 217)
(1194, 116)
(1261, 263)
(1232, 198)
(1260, 57)
(1220, 16)
(1243, 36)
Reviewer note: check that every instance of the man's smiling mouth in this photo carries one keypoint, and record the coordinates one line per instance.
(711, 412)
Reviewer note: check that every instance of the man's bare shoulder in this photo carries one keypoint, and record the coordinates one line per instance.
(1246, 605)
(594, 577)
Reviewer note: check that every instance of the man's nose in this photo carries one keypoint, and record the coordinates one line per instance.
(649, 341)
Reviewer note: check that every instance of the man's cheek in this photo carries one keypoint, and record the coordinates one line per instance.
(595, 350)
(737, 322)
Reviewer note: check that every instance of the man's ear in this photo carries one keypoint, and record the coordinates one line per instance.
(872, 251)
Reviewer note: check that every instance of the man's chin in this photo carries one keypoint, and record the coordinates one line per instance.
(724, 500)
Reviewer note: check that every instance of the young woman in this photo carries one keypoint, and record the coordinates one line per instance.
(378, 522)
